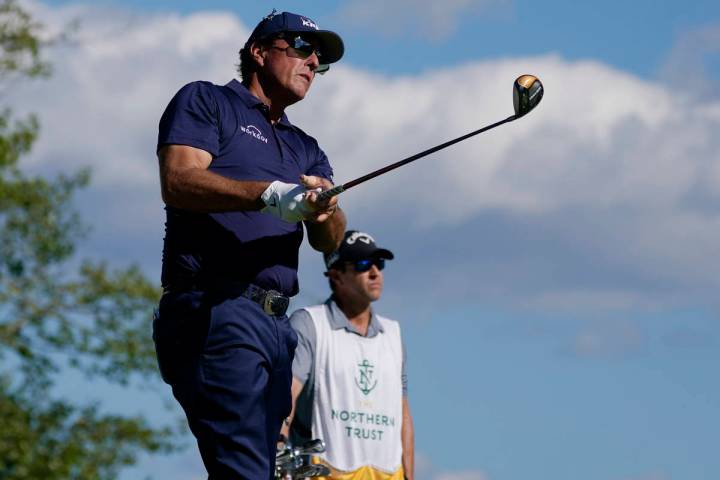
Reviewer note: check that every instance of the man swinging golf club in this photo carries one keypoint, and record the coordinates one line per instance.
(239, 182)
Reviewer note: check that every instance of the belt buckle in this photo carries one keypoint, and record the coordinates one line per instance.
(275, 303)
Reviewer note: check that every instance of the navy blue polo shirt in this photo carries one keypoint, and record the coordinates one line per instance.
(233, 126)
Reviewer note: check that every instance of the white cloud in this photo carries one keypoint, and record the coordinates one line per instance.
(422, 18)
(598, 140)
(112, 82)
(607, 194)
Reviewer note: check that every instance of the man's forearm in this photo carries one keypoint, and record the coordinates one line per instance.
(201, 190)
(295, 389)
(326, 236)
(407, 435)
(186, 183)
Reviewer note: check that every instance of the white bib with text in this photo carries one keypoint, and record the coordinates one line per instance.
(358, 395)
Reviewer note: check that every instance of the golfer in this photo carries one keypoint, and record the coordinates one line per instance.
(239, 180)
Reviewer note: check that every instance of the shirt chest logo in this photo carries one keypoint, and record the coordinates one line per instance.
(365, 380)
(255, 132)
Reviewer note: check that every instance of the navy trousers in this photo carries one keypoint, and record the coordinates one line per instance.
(229, 365)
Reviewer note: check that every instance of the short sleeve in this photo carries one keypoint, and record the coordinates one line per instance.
(191, 118)
(302, 367)
(320, 166)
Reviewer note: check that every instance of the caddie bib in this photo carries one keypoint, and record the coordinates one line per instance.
(358, 398)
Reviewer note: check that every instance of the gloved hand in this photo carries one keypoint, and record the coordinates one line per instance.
(287, 201)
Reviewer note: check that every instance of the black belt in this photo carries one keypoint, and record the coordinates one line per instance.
(271, 301)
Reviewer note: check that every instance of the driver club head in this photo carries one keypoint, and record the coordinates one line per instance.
(527, 93)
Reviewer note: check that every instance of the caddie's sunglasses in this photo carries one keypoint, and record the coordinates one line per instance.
(366, 264)
(298, 47)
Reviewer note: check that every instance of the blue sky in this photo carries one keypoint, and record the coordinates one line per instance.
(556, 279)
(635, 36)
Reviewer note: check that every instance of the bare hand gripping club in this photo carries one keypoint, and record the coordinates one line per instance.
(527, 93)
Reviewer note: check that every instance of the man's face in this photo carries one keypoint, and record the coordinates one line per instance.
(357, 286)
(291, 69)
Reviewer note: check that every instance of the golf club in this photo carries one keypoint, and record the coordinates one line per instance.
(527, 93)
(313, 470)
(311, 446)
(289, 457)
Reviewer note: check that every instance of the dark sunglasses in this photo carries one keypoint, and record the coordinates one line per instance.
(366, 264)
(298, 47)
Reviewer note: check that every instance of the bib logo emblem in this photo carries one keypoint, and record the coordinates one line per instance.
(366, 383)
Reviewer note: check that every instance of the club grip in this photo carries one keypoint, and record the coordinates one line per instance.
(331, 193)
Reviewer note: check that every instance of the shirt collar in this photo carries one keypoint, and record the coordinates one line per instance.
(338, 320)
(251, 101)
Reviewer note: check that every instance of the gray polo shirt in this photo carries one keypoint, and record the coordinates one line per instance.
(303, 367)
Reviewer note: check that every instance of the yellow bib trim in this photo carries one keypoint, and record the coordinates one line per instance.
(362, 473)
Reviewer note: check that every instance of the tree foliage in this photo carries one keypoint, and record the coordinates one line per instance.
(58, 311)
(20, 42)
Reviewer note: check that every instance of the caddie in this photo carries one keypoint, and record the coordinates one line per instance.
(349, 382)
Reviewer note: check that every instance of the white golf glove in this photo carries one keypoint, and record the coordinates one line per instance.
(286, 201)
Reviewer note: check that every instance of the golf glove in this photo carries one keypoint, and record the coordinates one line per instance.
(286, 201)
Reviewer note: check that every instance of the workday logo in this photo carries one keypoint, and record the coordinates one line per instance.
(308, 23)
(253, 131)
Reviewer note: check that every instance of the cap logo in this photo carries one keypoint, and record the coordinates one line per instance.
(308, 23)
(363, 237)
(253, 131)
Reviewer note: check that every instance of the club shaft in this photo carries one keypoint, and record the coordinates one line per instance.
(341, 188)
